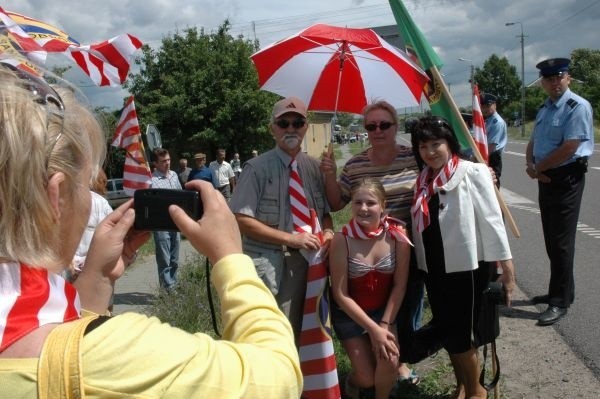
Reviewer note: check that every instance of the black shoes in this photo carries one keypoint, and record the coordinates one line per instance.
(551, 315)
(539, 299)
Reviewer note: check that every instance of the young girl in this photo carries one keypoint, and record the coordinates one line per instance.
(369, 269)
(458, 229)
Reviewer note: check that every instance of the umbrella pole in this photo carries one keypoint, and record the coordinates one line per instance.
(337, 97)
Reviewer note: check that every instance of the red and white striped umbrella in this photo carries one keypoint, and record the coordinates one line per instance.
(339, 69)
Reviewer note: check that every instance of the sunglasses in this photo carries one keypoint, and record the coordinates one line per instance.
(43, 94)
(371, 127)
(284, 123)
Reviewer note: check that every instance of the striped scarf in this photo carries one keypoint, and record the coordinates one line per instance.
(31, 298)
(392, 226)
(425, 187)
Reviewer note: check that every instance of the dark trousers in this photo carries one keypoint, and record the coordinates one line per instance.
(560, 201)
(495, 162)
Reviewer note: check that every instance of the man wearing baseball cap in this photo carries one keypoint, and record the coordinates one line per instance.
(262, 206)
(557, 153)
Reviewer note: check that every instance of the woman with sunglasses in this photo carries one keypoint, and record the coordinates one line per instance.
(394, 165)
(53, 343)
(458, 234)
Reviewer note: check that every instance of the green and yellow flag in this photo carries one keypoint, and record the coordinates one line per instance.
(424, 55)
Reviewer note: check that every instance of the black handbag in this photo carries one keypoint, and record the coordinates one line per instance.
(489, 329)
(418, 345)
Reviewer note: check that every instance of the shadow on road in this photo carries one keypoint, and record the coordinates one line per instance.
(515, 312)
(134, 298)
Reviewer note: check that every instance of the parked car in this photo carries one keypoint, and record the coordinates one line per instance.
(115, 194)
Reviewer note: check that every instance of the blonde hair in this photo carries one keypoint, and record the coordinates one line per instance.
(372, 185)
(383, 105)
(36, 142)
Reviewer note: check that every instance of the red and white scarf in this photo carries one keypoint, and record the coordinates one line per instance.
(30, 298)
(425, 187)
(392, 226)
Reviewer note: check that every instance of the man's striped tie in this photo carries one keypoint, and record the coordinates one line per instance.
(300, 213)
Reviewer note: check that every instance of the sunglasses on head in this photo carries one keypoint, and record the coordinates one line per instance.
(43, 93)
(371, 127)
(436, 121)
(284, 123)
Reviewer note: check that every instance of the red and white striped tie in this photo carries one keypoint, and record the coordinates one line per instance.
(300, 212)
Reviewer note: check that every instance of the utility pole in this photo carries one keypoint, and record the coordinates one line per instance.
(522, 36)
(472, 78)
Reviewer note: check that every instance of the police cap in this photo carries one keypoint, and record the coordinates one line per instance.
(553, 66)
(487, 99)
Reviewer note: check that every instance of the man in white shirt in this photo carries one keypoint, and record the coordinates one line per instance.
(223, 176)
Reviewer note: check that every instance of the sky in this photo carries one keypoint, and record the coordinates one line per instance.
(468, 29)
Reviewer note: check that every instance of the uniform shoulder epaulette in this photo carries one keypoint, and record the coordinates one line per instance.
(542, 106)
(571, 102)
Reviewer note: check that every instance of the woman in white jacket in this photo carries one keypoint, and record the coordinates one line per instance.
(457, 231)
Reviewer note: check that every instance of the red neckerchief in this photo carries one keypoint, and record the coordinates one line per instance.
(394, 227)
(425, 187)
(30, 298)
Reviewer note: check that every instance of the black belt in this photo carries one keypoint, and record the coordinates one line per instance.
(578, 165)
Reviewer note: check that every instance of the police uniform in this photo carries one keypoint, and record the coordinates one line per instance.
(495, 129)
(568, 117)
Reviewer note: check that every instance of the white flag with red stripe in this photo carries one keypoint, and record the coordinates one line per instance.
(479, 135)
(107, 63)
(317, 358)
(136, 172)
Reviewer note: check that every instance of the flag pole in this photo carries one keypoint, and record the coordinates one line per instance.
(438, 77)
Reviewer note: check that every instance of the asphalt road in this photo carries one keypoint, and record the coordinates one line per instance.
(580, 328)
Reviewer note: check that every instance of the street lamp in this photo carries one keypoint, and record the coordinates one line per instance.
(522, 36)
(472, 72)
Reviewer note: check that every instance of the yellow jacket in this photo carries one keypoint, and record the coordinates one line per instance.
(134, 356)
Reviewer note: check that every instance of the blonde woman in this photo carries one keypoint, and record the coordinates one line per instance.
(369, 270)
(50, 329)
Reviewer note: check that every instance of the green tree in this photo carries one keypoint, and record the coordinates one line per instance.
(499, 77)
(201, 91)
(584, 68)
(344, 119)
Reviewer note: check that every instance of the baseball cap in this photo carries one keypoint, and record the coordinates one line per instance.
(289, 104)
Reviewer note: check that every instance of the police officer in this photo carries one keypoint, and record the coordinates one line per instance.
(557, 153)
(495, 128)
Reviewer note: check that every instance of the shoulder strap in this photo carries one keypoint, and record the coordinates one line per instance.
(495, 368)
(59, 367)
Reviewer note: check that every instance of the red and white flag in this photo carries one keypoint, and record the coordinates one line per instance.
(107, 63)
(317, 358)
(479, 135)
(136, 172)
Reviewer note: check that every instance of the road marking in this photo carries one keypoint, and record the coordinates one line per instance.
(519, 154)
(515, 200)
(595, 167)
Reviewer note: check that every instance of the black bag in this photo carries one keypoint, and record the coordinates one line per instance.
(489, 329)
(418, 345)
(488, 322)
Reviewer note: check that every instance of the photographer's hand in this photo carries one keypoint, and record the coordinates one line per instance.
(113, 246)
(508, 279)
(217, 218)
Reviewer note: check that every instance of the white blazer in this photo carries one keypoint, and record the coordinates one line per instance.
(470, 221)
